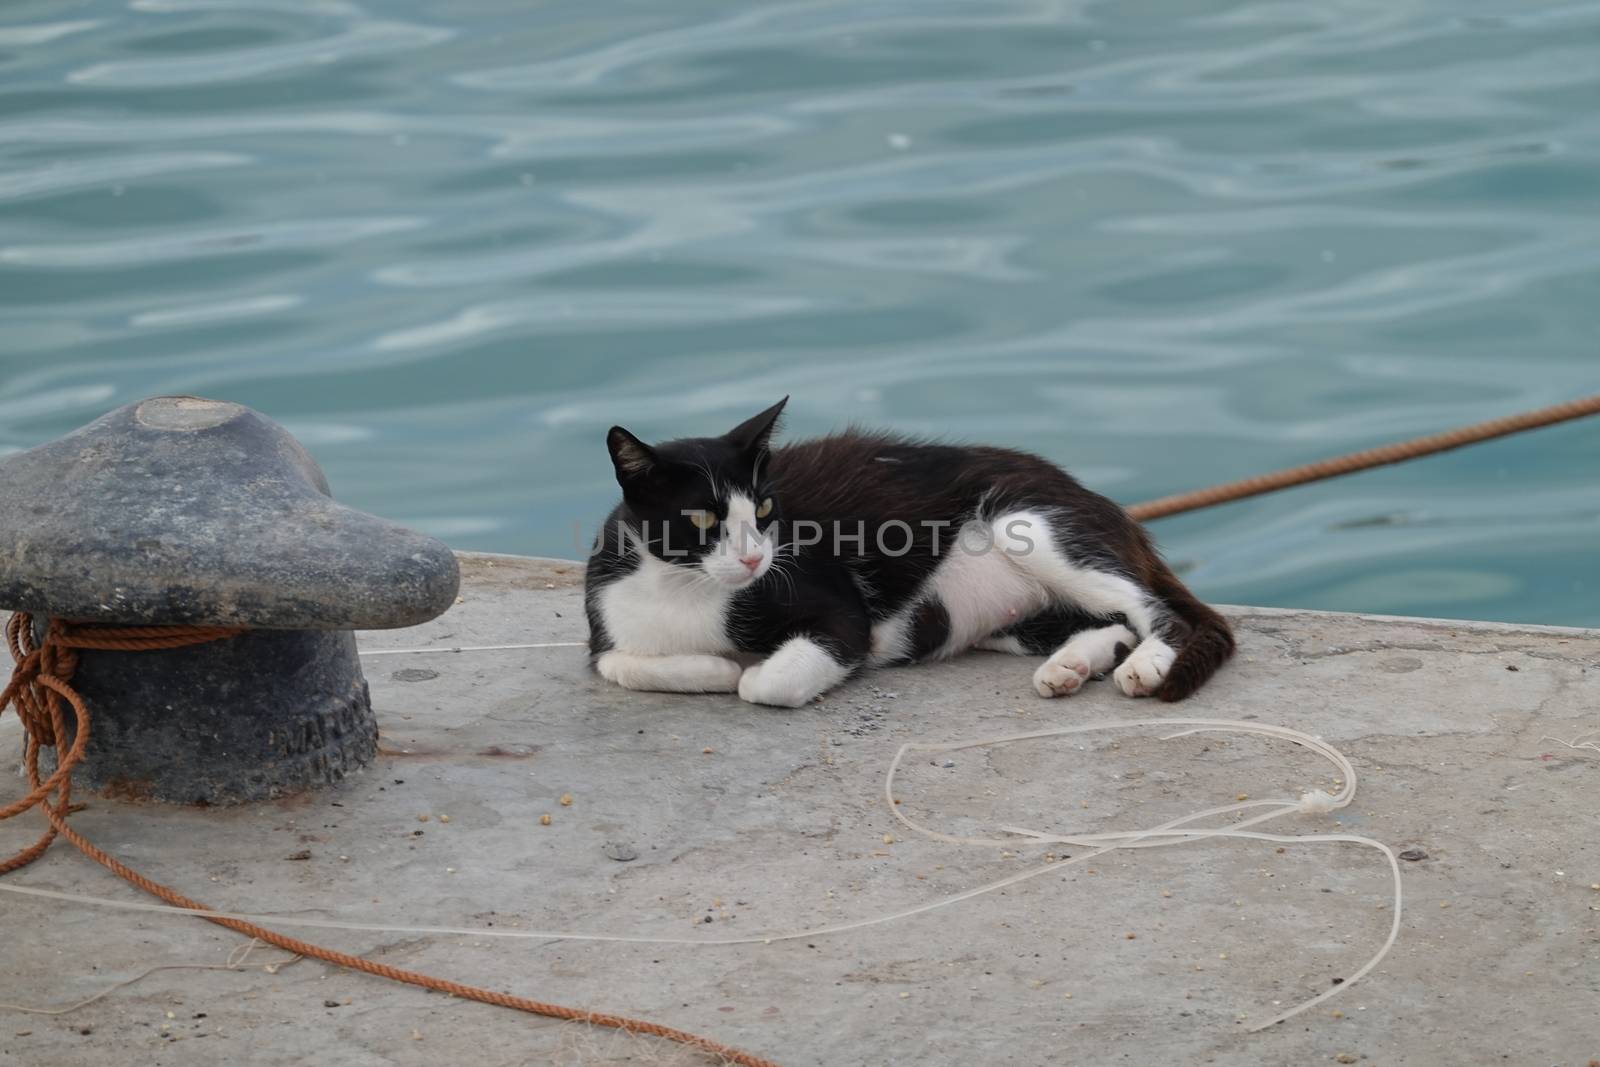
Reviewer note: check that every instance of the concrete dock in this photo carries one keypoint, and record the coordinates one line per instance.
(703, 817)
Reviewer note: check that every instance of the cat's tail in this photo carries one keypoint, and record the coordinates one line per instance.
(1207, 646)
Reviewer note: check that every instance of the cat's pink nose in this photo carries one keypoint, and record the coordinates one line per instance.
(750, 562)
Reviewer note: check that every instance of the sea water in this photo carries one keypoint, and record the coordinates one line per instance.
(1163, 242)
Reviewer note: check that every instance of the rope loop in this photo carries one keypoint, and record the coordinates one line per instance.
(41, 691)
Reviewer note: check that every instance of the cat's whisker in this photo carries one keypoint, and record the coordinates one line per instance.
(782, 573)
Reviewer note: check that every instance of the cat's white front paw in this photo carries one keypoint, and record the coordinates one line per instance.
(1145, 668)
(750, 684)
(719, 674)
(797, 672)
(762, 685)
(757, 689)
(670, 674)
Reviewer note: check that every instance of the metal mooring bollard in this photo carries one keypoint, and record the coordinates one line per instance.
(180, 510)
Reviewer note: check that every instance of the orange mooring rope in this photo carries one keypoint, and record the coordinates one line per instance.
(1360, 461)
(41, 690)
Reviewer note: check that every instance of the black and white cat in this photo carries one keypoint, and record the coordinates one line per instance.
(777, 573)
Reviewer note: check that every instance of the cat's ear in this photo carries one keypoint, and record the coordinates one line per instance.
(752, 434)
(630, 456)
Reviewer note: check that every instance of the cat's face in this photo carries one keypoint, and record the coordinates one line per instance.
(704, 503)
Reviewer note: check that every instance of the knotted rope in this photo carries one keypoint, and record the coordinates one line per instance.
(41, 691)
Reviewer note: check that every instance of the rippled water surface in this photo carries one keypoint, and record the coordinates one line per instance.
(1164, 243)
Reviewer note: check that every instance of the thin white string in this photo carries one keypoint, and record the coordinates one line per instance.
(6, 722)
(1173, 832)
(1576, 743)
(470, 648)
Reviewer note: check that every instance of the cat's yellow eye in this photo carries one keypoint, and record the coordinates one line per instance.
(703, 520)
(765, 509)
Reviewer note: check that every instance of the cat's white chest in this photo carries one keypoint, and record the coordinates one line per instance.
(659, 610)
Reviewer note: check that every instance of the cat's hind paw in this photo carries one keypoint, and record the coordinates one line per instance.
(1145, 667)
(1089, 653)
(1060, 677)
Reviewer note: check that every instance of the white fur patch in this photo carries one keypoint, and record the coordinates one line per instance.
(1085, 654)
(982, 591)
(670, 674)
(1145, 667)
(1099, 647)
(891, 640)
(797, 672)
(1020, 573)
(739, 539)
(1002, 571)
(1028, 541)
(663, 609)
(1011, 646)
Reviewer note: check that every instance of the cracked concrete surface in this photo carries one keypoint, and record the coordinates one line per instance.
(781, 825)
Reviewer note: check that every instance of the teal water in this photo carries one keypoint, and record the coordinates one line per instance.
(1164, 243)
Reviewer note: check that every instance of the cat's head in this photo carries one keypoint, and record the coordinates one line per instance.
(704, 502)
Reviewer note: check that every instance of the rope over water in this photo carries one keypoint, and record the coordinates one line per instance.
(40, 689)
(1365, 460)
